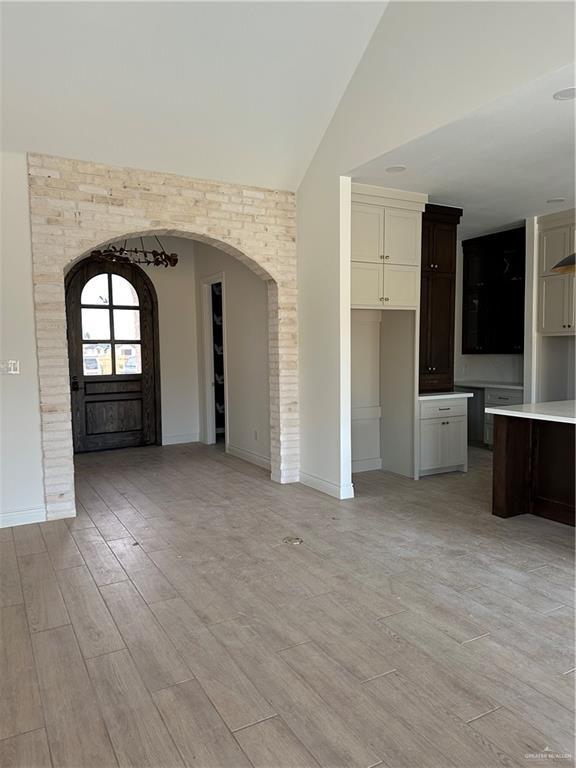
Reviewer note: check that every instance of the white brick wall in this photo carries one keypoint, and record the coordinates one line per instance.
(76, 206)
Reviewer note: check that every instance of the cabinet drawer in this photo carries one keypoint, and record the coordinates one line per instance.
(504, 397)
(435, 409)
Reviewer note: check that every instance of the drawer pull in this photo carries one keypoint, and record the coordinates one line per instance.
(503, 398)
(444, 409)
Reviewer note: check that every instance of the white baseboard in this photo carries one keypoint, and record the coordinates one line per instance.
(324, 486)
(366, 465)
(22, 517)
(253, 458)
(189, 437)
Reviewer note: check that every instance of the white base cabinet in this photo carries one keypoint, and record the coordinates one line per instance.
(443, 435)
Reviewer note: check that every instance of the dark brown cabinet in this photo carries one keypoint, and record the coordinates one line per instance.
(437, 296)
(493, 293)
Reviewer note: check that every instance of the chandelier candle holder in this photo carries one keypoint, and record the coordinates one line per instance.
(124, 255)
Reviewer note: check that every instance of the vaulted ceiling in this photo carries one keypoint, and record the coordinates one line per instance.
(235, 91)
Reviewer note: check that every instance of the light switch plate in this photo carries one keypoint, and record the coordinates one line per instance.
(10, 367)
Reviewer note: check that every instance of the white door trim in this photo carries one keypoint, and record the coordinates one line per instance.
(209, 431)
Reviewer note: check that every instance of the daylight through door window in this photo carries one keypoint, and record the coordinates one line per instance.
(111, 343)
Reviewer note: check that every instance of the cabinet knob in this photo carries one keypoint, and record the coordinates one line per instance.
(381, 298)
(386, 298)
(386, 257)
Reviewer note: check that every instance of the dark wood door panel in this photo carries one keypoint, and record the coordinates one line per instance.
(116, 398)
(112, 416)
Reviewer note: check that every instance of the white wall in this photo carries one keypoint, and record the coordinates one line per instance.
(21, 493)
(508, 369)
(246, 353)
(176, 291)
(406, 84)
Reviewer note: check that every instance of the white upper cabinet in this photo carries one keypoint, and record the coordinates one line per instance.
(366, 285)
(554, 245)
(367, 233)
(401, 286)
(402, 236)
(386, 247)
(556, 311)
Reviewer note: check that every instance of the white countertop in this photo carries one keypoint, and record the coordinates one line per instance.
(560, 410)
(488, 384)
(444, 395)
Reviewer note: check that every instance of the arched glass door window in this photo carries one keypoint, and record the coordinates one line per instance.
(111, 343)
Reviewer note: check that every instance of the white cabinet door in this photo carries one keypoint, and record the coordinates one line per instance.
(552, 311)
(367, 232)
(401, 289)
(454, 441)
(402, 236)
(554, 245)
(569, 310)
(431, 444)
(366, 285)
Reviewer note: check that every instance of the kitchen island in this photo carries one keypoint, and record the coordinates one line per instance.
(534, 459)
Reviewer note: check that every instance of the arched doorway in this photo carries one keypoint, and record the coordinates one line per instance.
(77, 206)
(113, 356)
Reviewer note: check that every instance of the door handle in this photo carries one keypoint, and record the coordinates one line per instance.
(74, 385)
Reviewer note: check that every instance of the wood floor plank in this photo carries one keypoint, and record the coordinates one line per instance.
(211, 605)
(272, 743)
(29, 750)
(448, 733)
(76, 732)
(60, 545)
(82, 520)
(325, 733)
(197, 729)
(130, 554)
(28, 539)
(92, 622)
(152, 584)
(20, 708)
(517, 738)
(136, 729)
(44, 603)
(99, 558)
(235, 697)
(382, 727)
(158, 662)
(10, 589)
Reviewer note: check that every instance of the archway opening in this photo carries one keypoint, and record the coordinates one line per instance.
(212, 307)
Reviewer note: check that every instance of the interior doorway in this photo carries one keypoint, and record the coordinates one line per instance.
(218, 363)
(112, 326)
(214, 343)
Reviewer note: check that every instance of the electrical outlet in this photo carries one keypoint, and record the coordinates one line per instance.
(10, 367)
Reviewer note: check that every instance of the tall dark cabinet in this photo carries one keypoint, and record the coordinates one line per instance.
(493, 293)
(437, 295)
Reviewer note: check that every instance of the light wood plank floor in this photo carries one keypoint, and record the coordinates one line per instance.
(170, 625)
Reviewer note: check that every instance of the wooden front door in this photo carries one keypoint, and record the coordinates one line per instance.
(112, 327)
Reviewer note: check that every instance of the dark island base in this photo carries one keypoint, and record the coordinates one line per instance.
(534, 468)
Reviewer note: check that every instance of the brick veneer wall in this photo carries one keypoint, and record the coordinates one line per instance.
(76, 206)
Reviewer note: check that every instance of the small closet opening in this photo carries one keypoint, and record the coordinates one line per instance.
(218, 362)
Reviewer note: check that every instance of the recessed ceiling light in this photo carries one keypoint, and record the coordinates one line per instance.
(565, 94)
(396, 169)
(556, 200)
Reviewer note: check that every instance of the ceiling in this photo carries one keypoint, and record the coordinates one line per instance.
(500, 164)
(233, 91)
